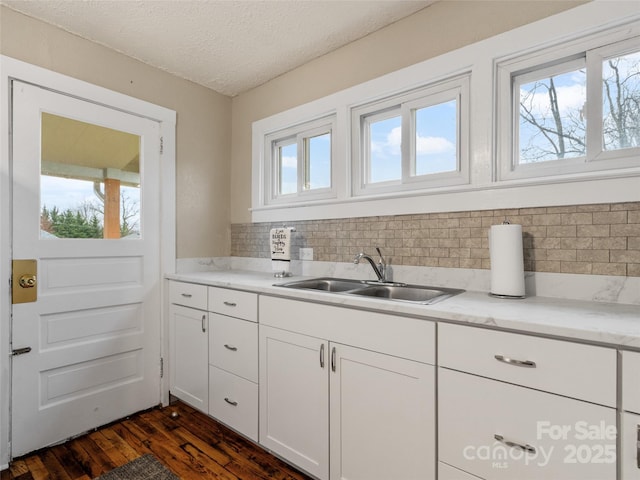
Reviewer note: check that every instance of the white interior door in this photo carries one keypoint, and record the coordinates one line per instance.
(94, 331)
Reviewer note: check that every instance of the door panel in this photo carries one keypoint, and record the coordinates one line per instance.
(94, 331)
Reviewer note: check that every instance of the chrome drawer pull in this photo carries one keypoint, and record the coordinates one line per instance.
(204, 319)
(229, 347)
(322, 356)
(230, 304)
(514, 362)
(527, 448)
(230, 402)
(333, 359)
(638, 447)
(186, 295)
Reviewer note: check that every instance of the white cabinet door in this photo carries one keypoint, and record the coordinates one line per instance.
(294, 398)
(382, 416)
(189, 346)
(630, 447)
(631, 381)
(500, 431)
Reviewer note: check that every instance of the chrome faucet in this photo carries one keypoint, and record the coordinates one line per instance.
(380, 269)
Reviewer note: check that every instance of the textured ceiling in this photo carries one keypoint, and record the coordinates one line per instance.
(229, 46)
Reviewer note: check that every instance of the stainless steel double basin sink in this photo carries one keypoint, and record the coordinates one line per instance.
(401, 292)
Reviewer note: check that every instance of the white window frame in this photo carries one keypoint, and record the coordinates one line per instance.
(404, 105)
(588, 52)
(298, 134)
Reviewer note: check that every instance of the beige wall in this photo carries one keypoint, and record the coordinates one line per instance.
(442, 27)
(203, 121)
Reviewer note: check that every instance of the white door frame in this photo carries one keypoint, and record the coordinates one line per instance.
(12, 69)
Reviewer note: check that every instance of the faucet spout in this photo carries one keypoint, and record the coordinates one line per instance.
(378, 269)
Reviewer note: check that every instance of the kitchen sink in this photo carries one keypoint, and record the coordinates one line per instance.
(390, 291)
(326, 284)
(408, 293)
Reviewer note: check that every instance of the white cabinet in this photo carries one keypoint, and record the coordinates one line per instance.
(630, 417)
(294, 401)
(523, 429)
(382, 416)
(188, 344)
(233, 359)
(341, 392)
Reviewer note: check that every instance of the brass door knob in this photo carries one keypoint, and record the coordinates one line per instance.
(27, 281)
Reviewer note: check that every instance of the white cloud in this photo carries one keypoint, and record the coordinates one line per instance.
(289, 162)
(433, 145)
(571, 98)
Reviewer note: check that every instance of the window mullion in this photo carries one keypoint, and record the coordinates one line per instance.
(594, 106)
(301, 162)
(408, 143)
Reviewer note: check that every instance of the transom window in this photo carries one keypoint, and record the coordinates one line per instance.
(300, 160)
(412, 141)
(573, 115)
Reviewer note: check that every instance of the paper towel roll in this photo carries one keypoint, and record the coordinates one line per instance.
(507, 262)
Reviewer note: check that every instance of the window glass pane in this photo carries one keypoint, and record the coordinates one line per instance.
(318, 162)
(435, 141)
(621, 102)
(288, 168)
(552, 118)
(385, 156)
(90, 181)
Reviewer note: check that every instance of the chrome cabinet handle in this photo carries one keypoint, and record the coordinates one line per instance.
(333, 359)
(322, 356)
(186, 295)
(514, 362)
(231, 402)
(230, 304)
(527, 448)
(638, 447)
(204, 328)
(232, 348)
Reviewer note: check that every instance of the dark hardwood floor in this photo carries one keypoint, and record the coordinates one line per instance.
(192, 445)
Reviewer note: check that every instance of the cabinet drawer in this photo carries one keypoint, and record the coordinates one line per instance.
(581, 371)
(573, 440)
(188, 294)
(233, 345)
(630, 461)
(631, 381)
(234, 303)
(234, 401)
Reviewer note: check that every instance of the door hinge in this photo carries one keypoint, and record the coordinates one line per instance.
(161, 145)
(161, 367)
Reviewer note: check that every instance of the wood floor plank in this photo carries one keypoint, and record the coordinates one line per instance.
(197, 456)
(72, 467)
(188, 442)
(53, 466)
(173, 457)
(119, 443)
(108, 448)
(37, 468)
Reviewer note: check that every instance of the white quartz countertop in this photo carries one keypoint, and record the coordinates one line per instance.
(607, 323)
